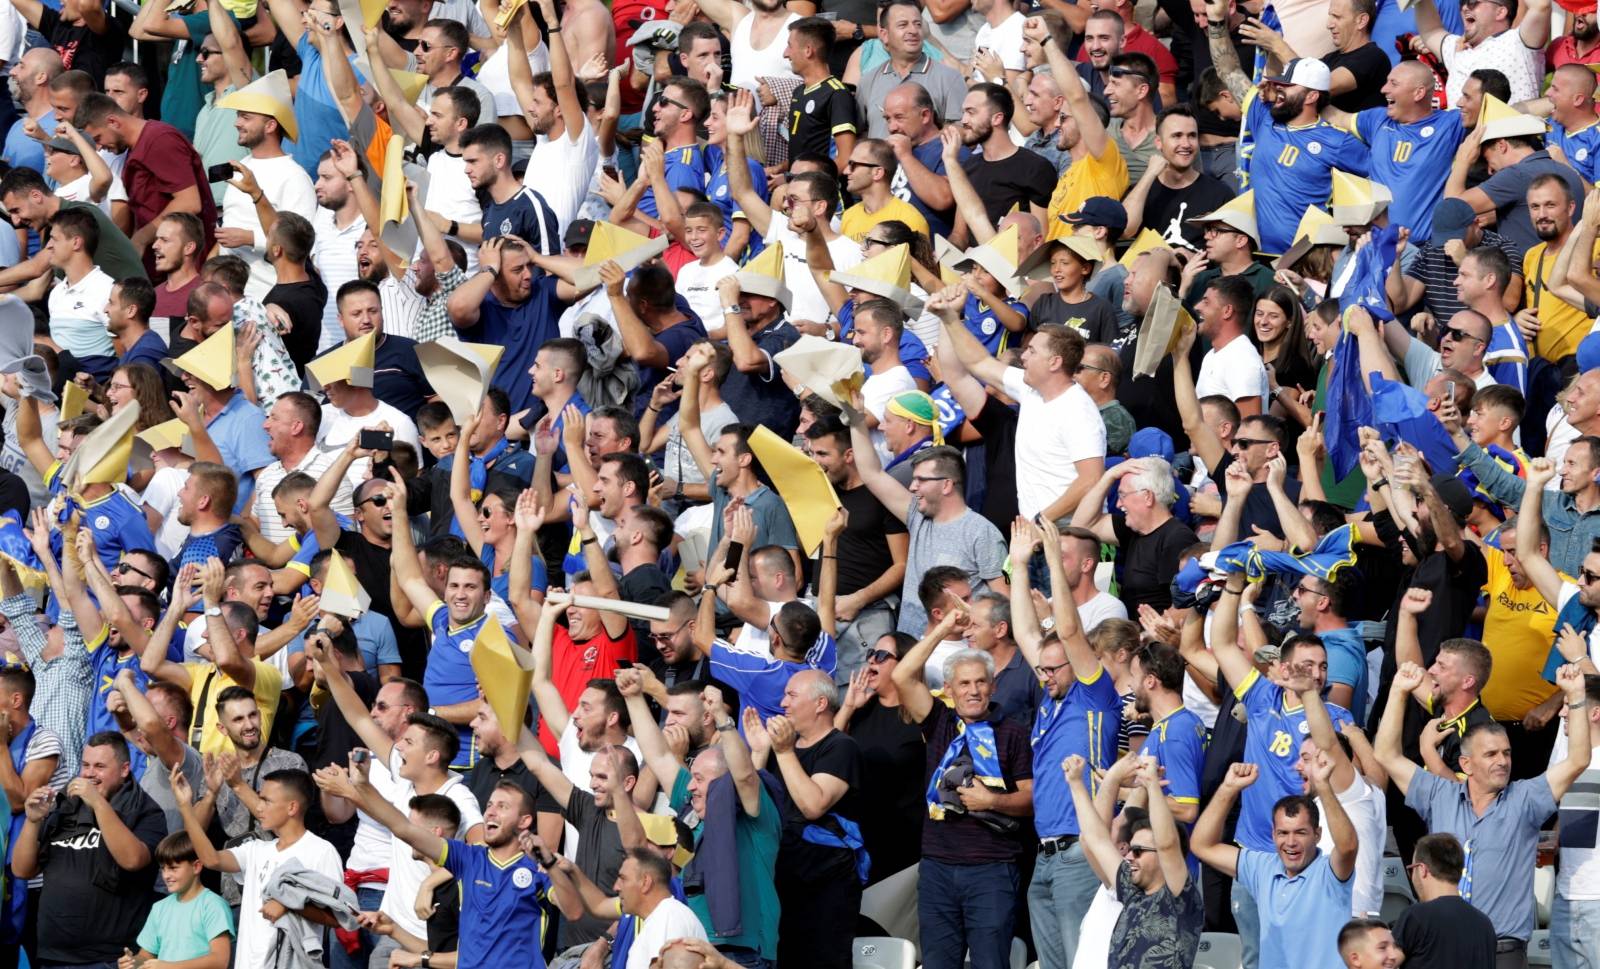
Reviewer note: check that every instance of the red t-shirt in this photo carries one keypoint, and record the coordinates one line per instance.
(629, 16)
(573, 665)
(161, 164)
(1137, 40)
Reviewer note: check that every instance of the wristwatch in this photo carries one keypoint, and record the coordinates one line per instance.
(732, 309)
(860, 33)
(213, 610)
(426, 960)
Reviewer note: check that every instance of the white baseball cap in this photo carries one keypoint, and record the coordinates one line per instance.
(1307, 72)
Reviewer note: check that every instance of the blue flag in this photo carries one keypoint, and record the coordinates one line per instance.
(1363, 284)
(1349, 407)
(1400, 410)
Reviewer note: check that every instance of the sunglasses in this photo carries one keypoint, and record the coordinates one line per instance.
(879, 656)
(1456, 333)
(1129, 72)
(426, 47)
(1139, 851)
(207, 52)
(674, 102)
(129, 567)
(851, 166)
(1588, 578)
(378, 501)
(1246, 442)
(869, 241)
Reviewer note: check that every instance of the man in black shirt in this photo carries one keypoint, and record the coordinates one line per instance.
(498, 761)
(1143, 528)
(1443, 930)
(872, 551)
(822, 114)
(642, 532)
(1174, 189)
(1004, 176)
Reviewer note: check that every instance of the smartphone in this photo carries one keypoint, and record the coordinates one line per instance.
(377, 440)
(219, 173)
(360, 756)
(611, 172)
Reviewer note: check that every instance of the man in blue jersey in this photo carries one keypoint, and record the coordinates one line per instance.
(1412, 144)
(1276, 724)
(1574, 121)
(680, 110)
(1295, 148)
(1080, 716)
(1481, 282)
(1177, 738)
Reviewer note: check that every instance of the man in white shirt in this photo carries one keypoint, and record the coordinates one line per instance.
(1000, 35)
(566, 152)
(278, 177)
(1492, 39)
(644, 888)
(450, 192)
(292, 428)
(78, 321)
(339, 227)
(1232, 367)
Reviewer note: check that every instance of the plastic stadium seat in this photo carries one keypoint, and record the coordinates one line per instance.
(1219, 950)
(881, 952)
(1393, 904)
(1395, 878)
(1539, 948)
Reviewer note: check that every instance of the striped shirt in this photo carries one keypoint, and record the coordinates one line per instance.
(62, 685)
(334, 255)
(402, 305)
(315, 462)
(1438, 272)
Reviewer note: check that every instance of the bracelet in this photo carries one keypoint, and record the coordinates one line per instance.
(455, 228)
(830, 556)
(652, 408)
(553, 30)
(1378, 483)
(591, 540)
(256, 199)
(1578, 705)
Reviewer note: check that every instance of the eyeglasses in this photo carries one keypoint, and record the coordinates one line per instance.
(1456, 333)
(667, 637)
(1049, 671)
(116, 386)
(919, 479)
(1310, 591)
(126, 566)
(1244, 443)
(379, 706)
(378, 501)
(1586, 577)
(792, 201)
(663, 99)
(869, 241)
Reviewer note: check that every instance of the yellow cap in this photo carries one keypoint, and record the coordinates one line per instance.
(211, 362)
(763, 275)
(459, 372)
(269, 95)
(888, 274)
(167, 434)
(1239, 213)
(625, 247)
(1356, 200)
(73, 399)
(1497, 119)
(1147, 239)
(351, 363)
(103, 456)
(342, 593)
(504, 672)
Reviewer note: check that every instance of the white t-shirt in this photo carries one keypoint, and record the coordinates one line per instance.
(670, 920)
(559, 170)
(933, 672)
(1103, 606)
(338, 427)
(77, 190)
(698, 284)
(1560, 435)
(1370, 816)
(334, 255)
(257, 862)
(1006, 41)
(78, 314)
(876, 392)
(289, 189)
(1051, 437)
(161, 495)
(808, 301)
(1235, 371)
(1094, 932)
(450, 193)
(405, 872)
(1504, 52)
(575, 763)
(370, 850)
(1578, 875)
(495, 74)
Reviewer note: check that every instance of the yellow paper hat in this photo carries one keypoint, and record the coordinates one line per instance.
(508, 10)
(1317, 228)
(1240, 214)
(342, 593)
(947, 256)
(351, 363)
(1147, 239)
(888, 274)
(999, 257)
(73, 399)
(1356, 200)
(801, 483)
(103, 456)
(763, 275)
(167, 434)
(459, 372)
(1164, 322)
(1037, 265)
(505, 674)
(411, 83)
(1497, 119)
(211, 362)
(269, 95)
(625, 247)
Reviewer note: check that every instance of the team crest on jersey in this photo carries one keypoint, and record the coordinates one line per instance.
(1305, 727)
(466, 646)
(505, 227)
(722, 191)
(810, 106)
(1581, 154)
(1426, 132)
(988, 326)
(103, 521)
(522, 878)
(1315, 148)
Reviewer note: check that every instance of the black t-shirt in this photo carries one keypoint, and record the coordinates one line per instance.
(397, 377)
(82, 49)
(1169, 209)
(1151, 400)
(337, 737)
(304, 303)
(1150, 561)
(14, 495)
(1367, 63)
(1093, 318)
(599, 857)
(1258, 507)
(817, 113)
(1018, 181)
(893, 762)
(836, 754)
(863, 550)
(1446, 933)
(485, 776)
(998, 425)
(645, 583)
(89, 908)
(371, 565)
(444, 925)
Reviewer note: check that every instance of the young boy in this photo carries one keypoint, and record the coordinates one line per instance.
(192, 922)
(438, 430)
(1494, 418)
(697, 280)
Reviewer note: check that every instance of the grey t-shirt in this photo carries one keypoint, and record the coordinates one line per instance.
(158, 785)
(599, 857)
(970, 543)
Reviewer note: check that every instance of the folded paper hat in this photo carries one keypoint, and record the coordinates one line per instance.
(103, 456)
(1146, 240)
(167, 434)
(1317, 228)
(998, 256)
(1037, 265)
(459, 372)
(343, 595)
(505, 674)
(800, 482)
(828, 369)
(399, 229)
(351, 363)
(73, 399)
(1356, 200)
(210, 362)
(763, 275)
(1497, 119)
(16, 350)
(1164, 322)
(888, 274)
(269, 95)
(1239, 214)
(358, 16)
(947, 255)
(625, 247)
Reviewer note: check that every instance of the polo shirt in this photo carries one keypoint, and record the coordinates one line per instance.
(1084, 722)
(1016, 690)
(1518, 629)
(1301, 915)
(522, 329)
(502, 906)
(1500, 843)
(450, 677)
(1505, 52)
(1272, 743)
(78, 315)
(988, 329)
(1508, 190)
(214, 135)
(242, 441)
(942, 82)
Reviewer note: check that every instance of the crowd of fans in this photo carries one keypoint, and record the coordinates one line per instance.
(694, 485)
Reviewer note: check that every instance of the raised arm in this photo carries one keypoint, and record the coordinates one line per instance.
(230, 660)
(1580, 737)
(968, 203)
(1387, 744)
(154, 660)
(461, 489)
(319, 649)
(168, 749)
(1203, 441)
(600, 574)
(404, 564)
(947, 304)
(1090, 130)
(235, 55)
(406, 117)
(1345, 843)
(1163, 827)
(694, 438)
(538, 762)
(653, 744)
(1223, 55)
(1535, 564)
(907, 676)
(1094, 834)
(552, 708)
(1206, 842)
(740, 121)
(890, 493)
(207, 853)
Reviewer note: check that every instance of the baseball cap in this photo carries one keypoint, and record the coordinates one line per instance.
(1306, 72)
(1455, 495)
(1100, 210)
(578, 233)
(1151, 442)
(1451, 219)
(1589, 352)
(62, 144)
